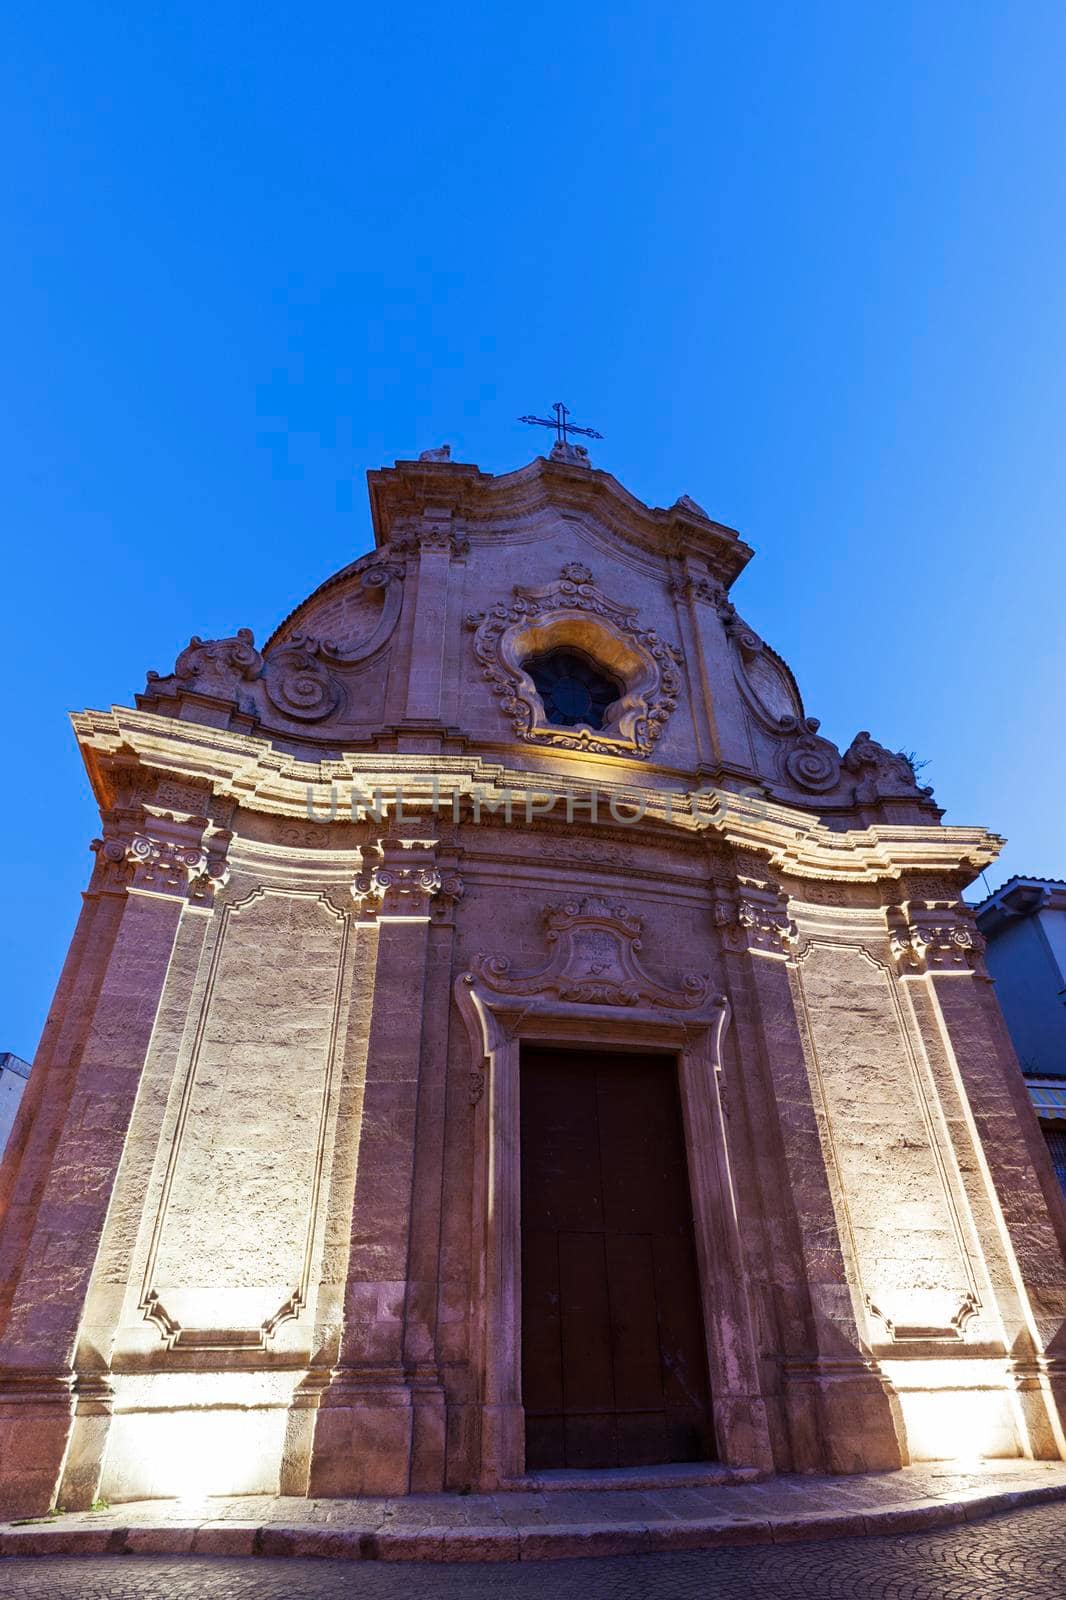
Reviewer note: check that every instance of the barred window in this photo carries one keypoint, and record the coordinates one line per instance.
(1055, 1139)
(575, 690)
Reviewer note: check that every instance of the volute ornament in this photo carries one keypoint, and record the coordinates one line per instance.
(813, 763)
(751, 925)
(401, 877)
(297, 681)
(925, 947)
(160, 855)
(215, 667)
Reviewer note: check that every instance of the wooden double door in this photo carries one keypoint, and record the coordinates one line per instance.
(614, 1366)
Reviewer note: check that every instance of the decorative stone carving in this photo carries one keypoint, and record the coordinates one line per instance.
(749, 925)
(181, 797)
(164, 865)
(349, 618)
(452, 886)
(443, 452)
(753, 870)
(111, 870)
(969, 1306)
(693, 586)
(404, 878)
(378, 575)
(298, 682)
(215, 874)
(574, 611)
(925, 947)
(580, 849)
(431, 534)
(881, 773)
(214, 667)
(823, 894)
(929, 886)
(813, 763)
(593, 961)
(159, 855)
(574, 455)
(765, 681)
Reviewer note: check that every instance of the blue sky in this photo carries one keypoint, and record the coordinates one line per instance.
(802, 262)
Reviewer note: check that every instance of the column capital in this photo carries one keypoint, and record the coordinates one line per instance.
(165, 856)
(756, 923)
(402, 877)
(438, 531)
(922, 947)
(935, 938)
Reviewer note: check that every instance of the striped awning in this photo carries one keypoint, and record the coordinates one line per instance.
(1049, 1098)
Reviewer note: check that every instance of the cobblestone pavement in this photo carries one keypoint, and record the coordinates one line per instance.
(1021, 1555)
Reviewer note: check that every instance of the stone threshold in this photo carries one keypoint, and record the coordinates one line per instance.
(446, 1528)
(601, 1480)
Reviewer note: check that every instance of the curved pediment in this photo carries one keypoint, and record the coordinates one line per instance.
(352, 613)
(317, 668)
(517, 501)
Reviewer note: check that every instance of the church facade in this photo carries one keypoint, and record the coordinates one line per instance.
(503, 1034)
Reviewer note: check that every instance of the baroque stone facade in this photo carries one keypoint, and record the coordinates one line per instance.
(262, 1206)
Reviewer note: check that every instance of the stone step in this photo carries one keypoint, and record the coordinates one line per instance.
(671, 1475)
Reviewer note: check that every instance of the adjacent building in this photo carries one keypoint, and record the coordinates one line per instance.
(502, 1034)
(13, 1074)
(1024, 924)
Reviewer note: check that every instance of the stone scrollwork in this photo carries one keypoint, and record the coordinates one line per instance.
(701, 587)
(593, 961)
(214, 667)
(881, 773)
(931, 947)
(401, 878)
(164, 865)
(298, 683)
(573, 611)
(160, 856)
(215, 873)
(813, 763)
(764, 679)
(748, 925)
(230, 658)
(380, 574)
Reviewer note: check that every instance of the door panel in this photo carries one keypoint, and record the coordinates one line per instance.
(613, 1358)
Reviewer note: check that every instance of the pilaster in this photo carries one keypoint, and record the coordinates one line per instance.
(431, 542)
(838, 1411)
(150, 871)
(379, 1427)
(721, 728)
(939, 955)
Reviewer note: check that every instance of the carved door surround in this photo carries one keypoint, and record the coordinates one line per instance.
(502, 1011)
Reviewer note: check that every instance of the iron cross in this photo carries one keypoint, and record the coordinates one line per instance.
(561, 425)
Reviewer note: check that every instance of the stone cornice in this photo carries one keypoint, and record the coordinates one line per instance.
(410, 488)
(243, 769)
(801, 844)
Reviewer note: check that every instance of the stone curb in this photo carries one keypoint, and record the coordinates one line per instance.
(550, 1542)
